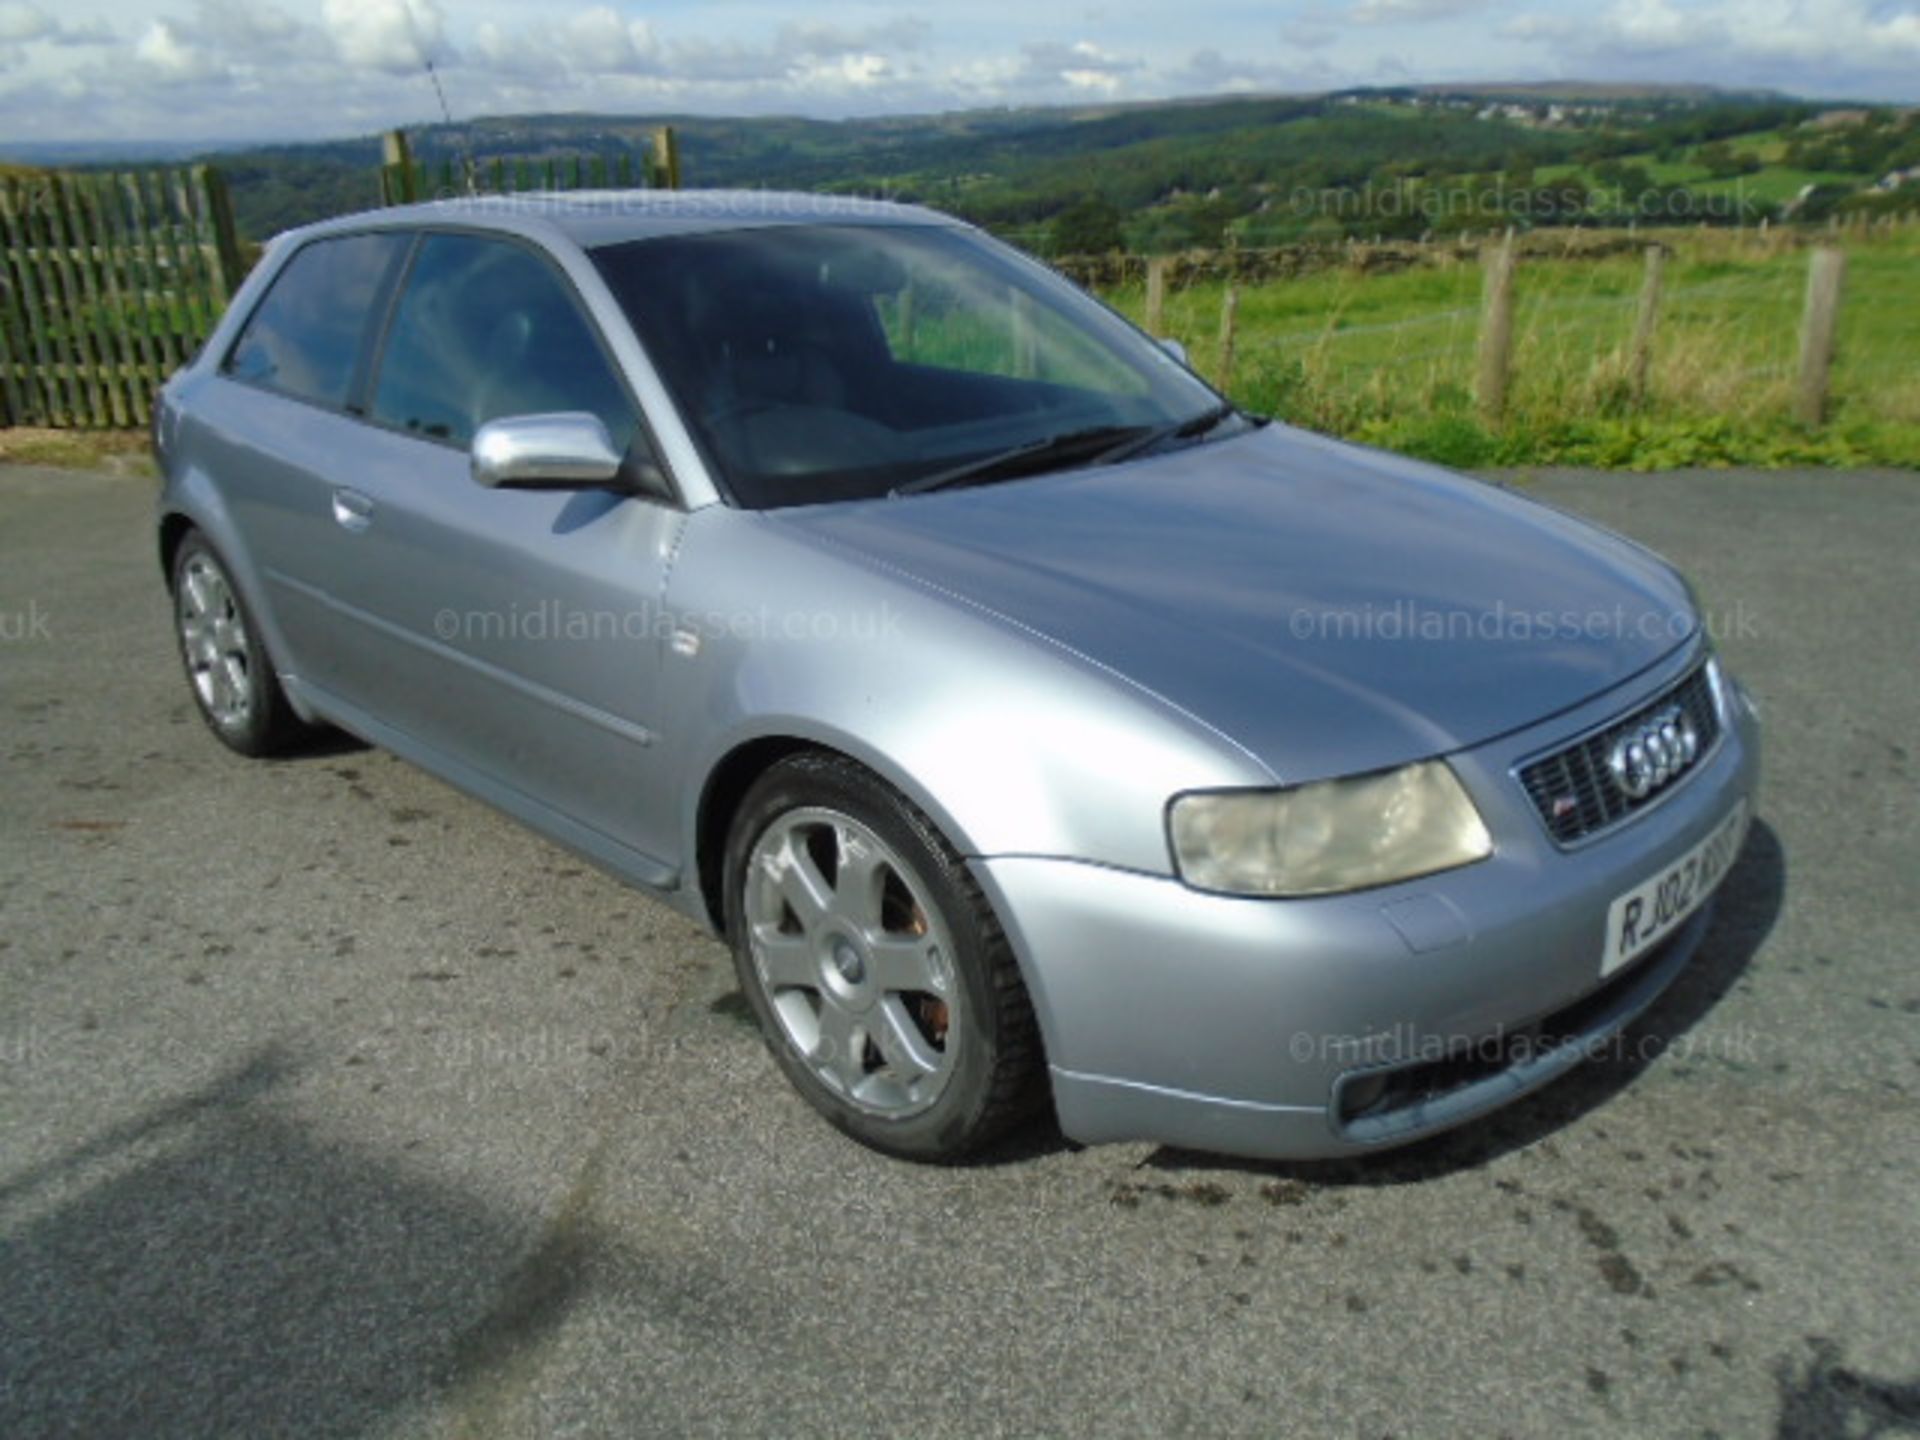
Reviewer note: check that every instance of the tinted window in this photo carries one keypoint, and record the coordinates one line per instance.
(304, 338)
(485, 329)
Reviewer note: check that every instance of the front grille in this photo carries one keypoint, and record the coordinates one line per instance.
(1571, 788)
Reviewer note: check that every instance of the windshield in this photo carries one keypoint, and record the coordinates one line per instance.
(824, 362)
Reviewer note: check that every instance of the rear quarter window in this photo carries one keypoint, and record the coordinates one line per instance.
(305, 337)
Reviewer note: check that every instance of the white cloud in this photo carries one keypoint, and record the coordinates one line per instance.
(1307, 37)
(1399, 12)
(1649, 23)
(600, 40)
(810, 39)
(266, 68)
(985, 76)
(86, 32)
(165, 50)
(23, 20)
(863, 71)
(1209, 72)
(389, 35)
(20, 21)
(245, 24)
(1855, 34)
(1540, 27)
(1082, 65)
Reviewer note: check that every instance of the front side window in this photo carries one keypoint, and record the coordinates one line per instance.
(831, 362)
(486, 329)
(304, 338)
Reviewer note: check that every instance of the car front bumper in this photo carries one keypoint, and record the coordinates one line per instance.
(1261, 1027)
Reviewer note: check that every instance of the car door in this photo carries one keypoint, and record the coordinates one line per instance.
(511, 637)
(280, 436)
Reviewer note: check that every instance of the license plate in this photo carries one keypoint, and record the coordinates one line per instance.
(1653, 909)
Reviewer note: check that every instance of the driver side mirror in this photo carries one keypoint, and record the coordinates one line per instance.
(564, 450)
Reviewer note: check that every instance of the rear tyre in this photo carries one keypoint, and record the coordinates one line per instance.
(881, 980)
(233, 680)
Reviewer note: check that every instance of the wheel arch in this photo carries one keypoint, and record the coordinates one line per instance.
(193, 506)
(743, 761)
(174, 529)
(726, 786)
(734, 773)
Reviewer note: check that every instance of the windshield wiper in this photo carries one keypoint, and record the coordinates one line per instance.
(1191, 428)
(1027, 458)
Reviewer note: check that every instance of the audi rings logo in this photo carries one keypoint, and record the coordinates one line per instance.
(1653, 753)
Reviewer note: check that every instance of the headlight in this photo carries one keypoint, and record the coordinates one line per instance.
(1330, 836)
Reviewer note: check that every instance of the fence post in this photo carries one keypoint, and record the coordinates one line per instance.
(1818, 327)
(227, 264)
(1156, 295)
(1496, 331)
(1645, 322)
(666, 159)
(397, 181)
(1229, 322)
(1026, 353)
(905, 318)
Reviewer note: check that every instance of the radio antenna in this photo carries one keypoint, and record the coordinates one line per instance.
(469, 171)
(434, 76)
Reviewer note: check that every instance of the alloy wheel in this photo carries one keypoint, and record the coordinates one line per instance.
(856, 963)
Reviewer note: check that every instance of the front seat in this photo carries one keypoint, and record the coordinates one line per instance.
(771, 350)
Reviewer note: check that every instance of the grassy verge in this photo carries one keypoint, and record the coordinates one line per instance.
(120, 452)
(1389, 359)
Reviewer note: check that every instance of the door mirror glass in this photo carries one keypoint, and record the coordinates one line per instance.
(558, 451)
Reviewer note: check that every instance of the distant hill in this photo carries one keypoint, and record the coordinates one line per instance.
(1188, 172)
(58, 154)
(1604, 90)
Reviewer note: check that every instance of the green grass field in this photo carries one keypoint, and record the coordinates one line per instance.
(1389, 359)
(1774, 185)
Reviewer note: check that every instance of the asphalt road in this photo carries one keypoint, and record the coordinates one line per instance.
(332, 1103)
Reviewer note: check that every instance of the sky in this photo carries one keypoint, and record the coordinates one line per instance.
(244, 70)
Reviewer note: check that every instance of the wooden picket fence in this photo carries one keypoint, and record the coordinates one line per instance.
(404, 180)
(110, 282)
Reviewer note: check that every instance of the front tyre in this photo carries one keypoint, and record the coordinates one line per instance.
(881, 980)
(234, 685)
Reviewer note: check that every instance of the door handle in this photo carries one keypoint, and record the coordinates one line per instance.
(352, 510)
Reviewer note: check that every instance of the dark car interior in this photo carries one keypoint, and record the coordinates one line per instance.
(782, 364)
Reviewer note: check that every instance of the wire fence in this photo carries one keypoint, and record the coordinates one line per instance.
(1727, 334)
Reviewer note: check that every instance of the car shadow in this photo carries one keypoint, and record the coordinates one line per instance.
(1746, 910)
(218, 1265)
(1822, 1397)
(323, 742)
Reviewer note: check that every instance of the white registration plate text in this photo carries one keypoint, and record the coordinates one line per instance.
(1653, 909)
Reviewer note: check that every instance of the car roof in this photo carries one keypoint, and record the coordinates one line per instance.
(590, 218)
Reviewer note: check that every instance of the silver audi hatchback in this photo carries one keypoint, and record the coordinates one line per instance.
(1035, 726)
